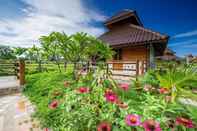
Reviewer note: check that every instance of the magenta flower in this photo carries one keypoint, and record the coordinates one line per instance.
(83, 90)
(185, 122)
(124, 86)
(132, 120)
(53, 104)
(151, 125)
(111, 96)
(104, 126)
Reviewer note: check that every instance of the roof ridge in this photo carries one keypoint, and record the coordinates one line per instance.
(150, 31)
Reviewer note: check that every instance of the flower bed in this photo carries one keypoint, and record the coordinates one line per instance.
(88, 105)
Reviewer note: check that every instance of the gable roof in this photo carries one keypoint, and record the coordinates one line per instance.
(124, 14)
(131, 35)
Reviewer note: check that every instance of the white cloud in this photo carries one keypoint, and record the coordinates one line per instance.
(45, 16)
(186, 34)
(187, 43)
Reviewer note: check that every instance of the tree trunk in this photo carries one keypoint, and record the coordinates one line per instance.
(65, 65)
(40, 66)
(58, 64)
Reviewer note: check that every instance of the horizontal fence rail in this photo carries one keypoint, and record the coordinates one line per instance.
(8, 68)
(13, 68)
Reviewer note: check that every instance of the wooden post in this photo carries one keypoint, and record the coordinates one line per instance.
(22, 72)
(137, 67)
(107, 68)
(142, 68)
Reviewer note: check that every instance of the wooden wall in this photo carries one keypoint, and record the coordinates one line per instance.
(135, 53)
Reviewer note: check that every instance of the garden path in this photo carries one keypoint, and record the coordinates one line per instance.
(15, 114)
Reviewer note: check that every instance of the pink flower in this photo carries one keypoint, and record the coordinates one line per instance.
(53, 104)
(83, 90)
(185, 122)
(132, 120)
(151, 125)
(124, 86)
(163, 91)
(111, 96)
(104, 126)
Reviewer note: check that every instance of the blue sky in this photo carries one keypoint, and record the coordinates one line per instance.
(22, 22)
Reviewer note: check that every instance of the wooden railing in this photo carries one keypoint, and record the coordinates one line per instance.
(13, 68)
(127, 68)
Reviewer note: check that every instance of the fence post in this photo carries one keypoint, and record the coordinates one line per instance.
(142, 69)
(22, 72)
(137, 67)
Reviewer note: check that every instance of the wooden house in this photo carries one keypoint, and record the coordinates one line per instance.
(132, 42)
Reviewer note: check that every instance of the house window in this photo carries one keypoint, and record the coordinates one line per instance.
(118, 54)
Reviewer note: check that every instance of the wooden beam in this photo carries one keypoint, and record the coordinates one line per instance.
(137, 67)
(22, 72)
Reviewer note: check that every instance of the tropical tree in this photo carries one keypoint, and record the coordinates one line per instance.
(81, 47)
(36, 54)
(19, 51)
(51, 47)
(98, 50)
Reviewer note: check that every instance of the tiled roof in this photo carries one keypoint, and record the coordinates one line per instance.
(131, 34)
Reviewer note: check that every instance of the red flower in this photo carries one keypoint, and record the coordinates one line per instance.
(163, 91)
(83, 90)
(151, 125)
(111, 96)
(104, 126)
(185, 122)
(124, 86)
(53, 104)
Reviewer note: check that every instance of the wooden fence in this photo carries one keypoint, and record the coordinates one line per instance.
(13, 68)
